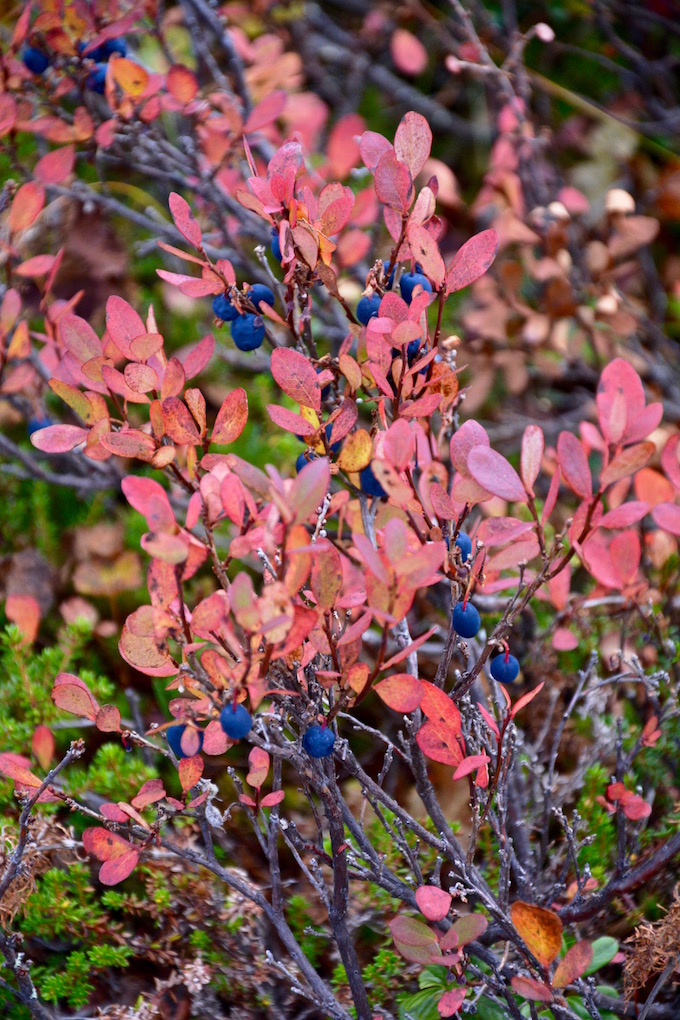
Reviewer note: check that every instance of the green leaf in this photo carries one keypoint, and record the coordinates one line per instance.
(421, 1006)
(604, 951)
(488, 1010)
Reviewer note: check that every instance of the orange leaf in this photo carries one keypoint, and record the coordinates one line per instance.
(72, 694)
(540, 928)
(190, 771)
(231, 418)
(401, 692)
(132, 78)
(181, 83)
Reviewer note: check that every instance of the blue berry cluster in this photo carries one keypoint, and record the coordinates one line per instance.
(247, 329)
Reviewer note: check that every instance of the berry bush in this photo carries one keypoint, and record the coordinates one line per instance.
(340, 659)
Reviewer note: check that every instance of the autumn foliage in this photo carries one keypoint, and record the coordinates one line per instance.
(333, 598)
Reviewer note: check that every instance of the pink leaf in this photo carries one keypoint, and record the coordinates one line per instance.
(451, 1001)
(433, 902)
(531, 989)
(468, 765)
(296, 376)
(231, 418)
(627, 462)
(309, 488)
(59, 438)
(533, 445)
(372, 148)
(290, 421)
(492, 471)
(409, 56)
(667, 516)
(413, 140)
(184, 219)
(393, 184)
(108, 719)
(574, 465)
(526, 699)
(620, 399)
(471, 260)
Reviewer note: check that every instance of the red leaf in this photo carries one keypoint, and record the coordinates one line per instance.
(13, 770)
(471, 260)
(272, 799)
(258, 763)
(626, 514)
(114, 871)
(151, 792)
(393, 184)
(266, 111)
(130, 443)
(495, 474)
(574, 465)
(468, 765)
(413, 939)
(526, 699)
(150, 499)
(670, 460)
(573, 964)
(620, 399)
(625, 553)
(123, 324)
(55, 166)
(433, 902)
(335, 208)
(400, 692)
(198, 356)
(190, 771)
(441, 503)
(451, 1001)
(59, 438)
(627, 462)
(413, 140)
(529, 988)
(42, 746)
(296, 376)
(181, 83)
(184, 219)
(108, 719)
(288, 420)
(468, 928)
(72, 694)
(26, 206)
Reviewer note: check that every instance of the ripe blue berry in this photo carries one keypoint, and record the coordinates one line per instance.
(223, 308)
(504, 670)
(259, 292)
(247, 332)
(370, 484)
(302, 461)
(367, 308)
(113, 47)
(408, 283)
(35, 424)
(35, 60)
(174, 735)
(276, 244)
(465, 620)
(318, 741)
(236, 722)
(96, 81)
(465, 545)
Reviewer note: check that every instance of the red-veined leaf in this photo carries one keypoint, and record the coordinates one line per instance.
(184, 219)
(471, 260)
(540, 928)
(296, 376)
(401, 692)
(573, 964)
(495, 474)
(574, 465)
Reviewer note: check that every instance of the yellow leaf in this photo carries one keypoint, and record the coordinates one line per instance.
(357, 452)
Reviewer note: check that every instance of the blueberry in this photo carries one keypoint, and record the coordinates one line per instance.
(35, 60)
(174, 735)
(236, 722)
(276, 245)
(465, 620)
(325, 390)
(258, 292)
(465, 545)
(390, 281)
(412, 351)
(504, 668)
(34, 424)
(367, 308)
(302, 461)
(370, 484)
(247, 332)
(113, 47)
(96, 81)
(318, 741)
(223, 308)
(408, 283)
